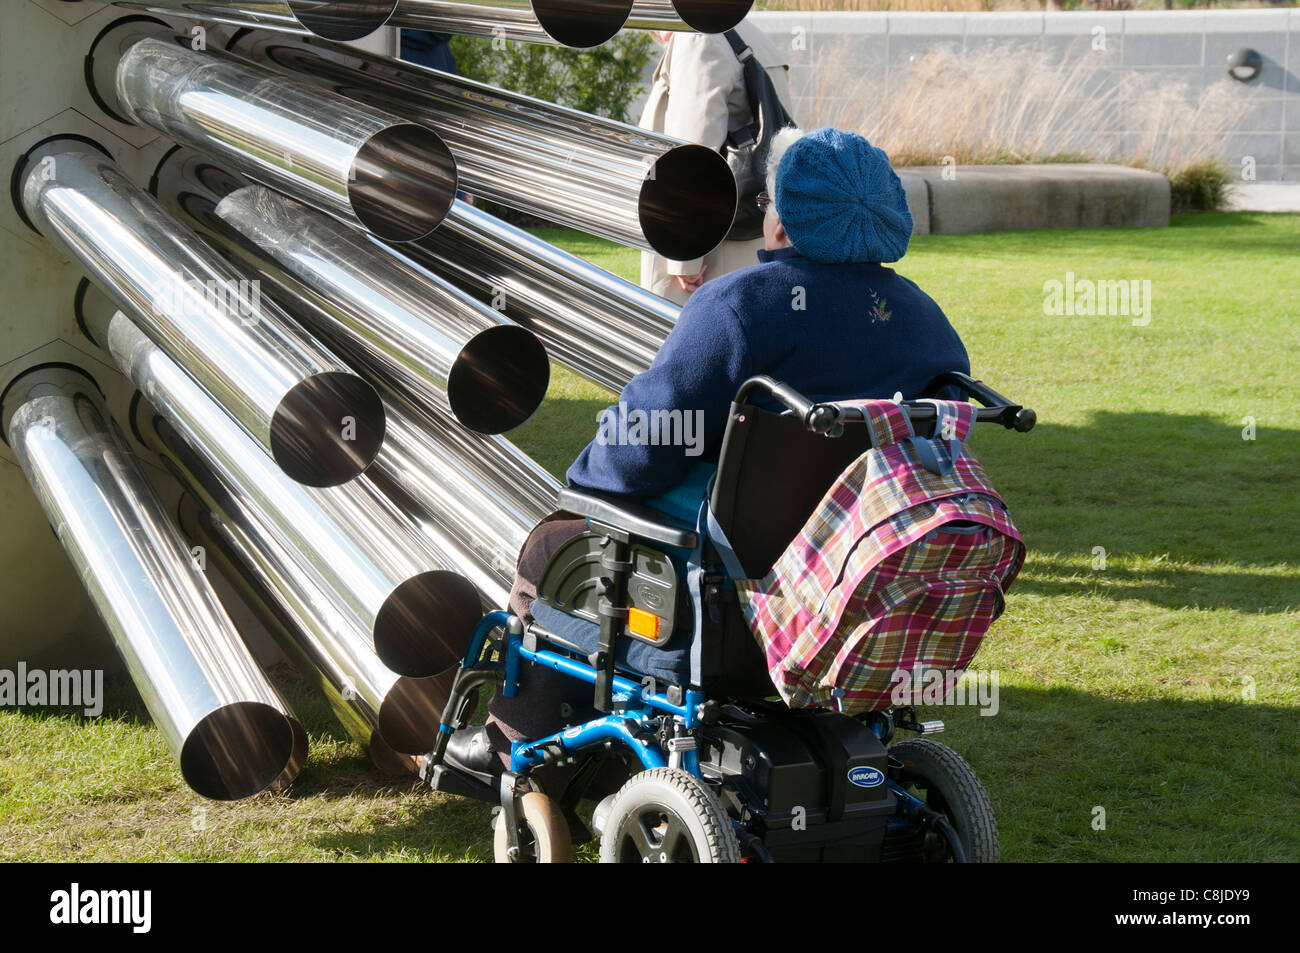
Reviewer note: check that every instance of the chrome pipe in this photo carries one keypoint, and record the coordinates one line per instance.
(591, 321)
(605, 177)
(374, 170)
(577, 23)
(228, 729)
(702, 16)
(415, 607)
(385, 713)
(320, 422)
(487, 371)
(332, 19)
(482, 489)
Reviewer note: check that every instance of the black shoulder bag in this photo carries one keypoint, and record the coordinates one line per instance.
(747, 146)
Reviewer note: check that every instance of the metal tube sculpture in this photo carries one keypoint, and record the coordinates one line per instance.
(226, 726)
(607, 178)
(320, 422)
(580, 23)
(487, 371)
(332, 19)
(394, 178)
(595, 323)
(416, 611)
(378, 708)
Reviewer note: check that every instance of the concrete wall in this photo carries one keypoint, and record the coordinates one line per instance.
(1190, 46)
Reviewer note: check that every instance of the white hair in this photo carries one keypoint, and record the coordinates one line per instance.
(783, 140)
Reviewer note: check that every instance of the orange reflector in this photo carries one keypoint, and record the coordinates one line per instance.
(642, 623)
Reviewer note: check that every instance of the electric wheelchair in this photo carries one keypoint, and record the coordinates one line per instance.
(690, 753)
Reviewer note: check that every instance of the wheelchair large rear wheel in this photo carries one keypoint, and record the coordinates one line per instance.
(946, 782)
(667, 816)
(547, 840)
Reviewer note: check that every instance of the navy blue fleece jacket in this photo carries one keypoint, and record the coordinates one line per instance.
(831, 331)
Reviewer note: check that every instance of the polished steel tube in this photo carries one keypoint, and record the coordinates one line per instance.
(230, 731)
(416, 612)
(607, 178)
(332, 19)
(593, 322)
(580, 23)
(445, 346)
(482, 489)
(382, 711)
(702, 16)
(320, 422)
(370, 168)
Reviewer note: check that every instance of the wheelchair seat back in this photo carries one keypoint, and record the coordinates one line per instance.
(772, 473)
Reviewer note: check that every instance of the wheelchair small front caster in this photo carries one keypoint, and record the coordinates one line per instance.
(667, 816)
(547, 840)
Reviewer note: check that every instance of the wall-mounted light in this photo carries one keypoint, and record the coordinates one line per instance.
(1245, 64)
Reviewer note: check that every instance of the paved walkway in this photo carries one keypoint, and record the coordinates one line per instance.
(1264, 197)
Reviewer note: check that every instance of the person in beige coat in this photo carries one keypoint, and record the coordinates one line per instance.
(697, 94)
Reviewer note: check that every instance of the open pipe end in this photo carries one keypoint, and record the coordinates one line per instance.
(411, 712)
(712, 16)
(328, 429)
(584, 24)
(425, 624)
(498, 379)
(237, 751)
(687, 202)
(342, 19)
(403, 182)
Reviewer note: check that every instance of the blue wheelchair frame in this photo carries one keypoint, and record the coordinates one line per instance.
(631, 725)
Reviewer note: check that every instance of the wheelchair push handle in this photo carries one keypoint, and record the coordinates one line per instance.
(819, 418)
(828, 418)
(997, 408)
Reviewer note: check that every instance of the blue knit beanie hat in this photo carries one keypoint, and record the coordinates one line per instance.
(840, 199)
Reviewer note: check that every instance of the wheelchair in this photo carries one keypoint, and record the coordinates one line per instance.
(690, 753)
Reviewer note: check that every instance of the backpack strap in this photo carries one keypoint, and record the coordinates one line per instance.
(707, 530)
(738, 46)
(887, 420)
(953, 422)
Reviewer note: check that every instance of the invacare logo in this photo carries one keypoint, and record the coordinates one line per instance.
(102, 907)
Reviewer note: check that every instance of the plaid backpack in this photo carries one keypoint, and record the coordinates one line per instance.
(902, 566)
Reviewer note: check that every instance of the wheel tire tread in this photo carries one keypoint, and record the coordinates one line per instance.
(982, 828)
(722, 843)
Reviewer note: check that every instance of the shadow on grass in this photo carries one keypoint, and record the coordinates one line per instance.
(1153, 491)
(1177, 779)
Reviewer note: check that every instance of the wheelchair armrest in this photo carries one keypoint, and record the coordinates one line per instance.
(632, 517)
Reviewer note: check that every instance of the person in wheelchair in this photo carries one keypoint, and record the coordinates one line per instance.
(821, 312)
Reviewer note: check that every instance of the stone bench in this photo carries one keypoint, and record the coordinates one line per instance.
(958, 200)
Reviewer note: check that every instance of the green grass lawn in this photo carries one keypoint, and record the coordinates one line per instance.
(1163, 688)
